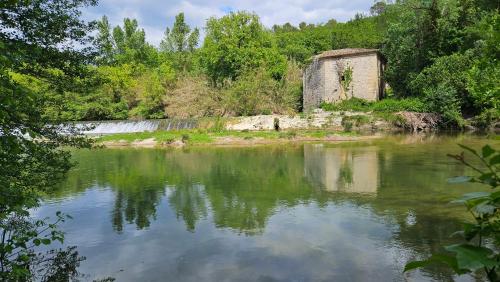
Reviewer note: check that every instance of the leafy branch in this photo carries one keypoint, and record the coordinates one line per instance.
(482, 238)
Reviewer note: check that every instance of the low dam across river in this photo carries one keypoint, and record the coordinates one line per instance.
(130, 126)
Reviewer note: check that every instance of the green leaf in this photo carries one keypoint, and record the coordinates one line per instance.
(472, 257)
(451, 261)
(495, 196)
(459, 179)
(495, 160)
(470, 231)
(46, 241)
(417, 264)
(471, 196)
(484, 208)
(24, 258)
(487, 151)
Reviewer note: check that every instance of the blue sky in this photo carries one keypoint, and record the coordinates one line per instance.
(155, 15)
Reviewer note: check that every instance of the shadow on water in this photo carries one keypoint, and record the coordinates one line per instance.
(399, 184)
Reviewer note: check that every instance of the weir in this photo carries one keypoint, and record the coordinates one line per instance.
(133, 126)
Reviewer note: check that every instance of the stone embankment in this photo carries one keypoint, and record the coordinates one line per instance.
(318, 119)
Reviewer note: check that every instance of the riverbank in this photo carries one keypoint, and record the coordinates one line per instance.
(183, 138)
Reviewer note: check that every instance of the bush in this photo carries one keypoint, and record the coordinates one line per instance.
(398, 105)
(192, 96)
(486, 118)
(348, 122)
(257, 92)
(386, 105)
(218, 125)
(443, 100)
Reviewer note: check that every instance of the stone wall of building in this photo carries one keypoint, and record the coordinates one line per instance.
(323, 79)
(313, 84)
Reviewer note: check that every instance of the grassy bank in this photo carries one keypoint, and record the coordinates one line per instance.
(206, 137)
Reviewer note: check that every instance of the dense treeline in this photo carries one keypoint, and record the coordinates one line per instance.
(444, 53)
(447, 53)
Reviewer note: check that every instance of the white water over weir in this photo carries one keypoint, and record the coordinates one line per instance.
(131, 126)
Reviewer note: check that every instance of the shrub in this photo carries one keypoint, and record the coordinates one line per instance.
(193, 97)
(386, 105)
(218, 126)
(398, 105)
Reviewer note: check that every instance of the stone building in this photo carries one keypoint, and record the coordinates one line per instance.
(343, 74)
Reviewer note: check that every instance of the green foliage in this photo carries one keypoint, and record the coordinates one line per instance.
(445, 51)
(256, 92)
(177, 39)
(442, 56)
(180, 43)
(389, 105)
(482, 78)
(104, 42)
(301, 44)
(443, 85)
(348, 122)
(218, 125)
(150, 90)
(480, 251)
(36, 40)
(238, 43)
(346, 79)
(131, 46)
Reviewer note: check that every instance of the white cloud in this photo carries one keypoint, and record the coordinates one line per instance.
(155, 15)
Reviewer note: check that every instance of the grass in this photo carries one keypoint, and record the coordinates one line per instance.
(201, 136)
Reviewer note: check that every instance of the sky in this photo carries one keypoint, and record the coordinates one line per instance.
(155, 15)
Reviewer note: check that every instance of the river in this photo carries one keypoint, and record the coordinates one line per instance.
(353, 211)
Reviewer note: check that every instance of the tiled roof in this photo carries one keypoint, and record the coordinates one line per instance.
(346, 52)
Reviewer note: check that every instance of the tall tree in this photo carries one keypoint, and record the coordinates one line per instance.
(176, 40)
(47, 40)
(130, 42)
(180, 42)
(104, 41)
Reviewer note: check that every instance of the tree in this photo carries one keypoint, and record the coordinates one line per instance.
(378, 8)
(176, 40)
(104, 42)
(131, 46)
(37, 38)
(180, 42)
(445, 51)
(237, 43)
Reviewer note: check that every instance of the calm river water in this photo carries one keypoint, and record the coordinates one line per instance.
(305, 212)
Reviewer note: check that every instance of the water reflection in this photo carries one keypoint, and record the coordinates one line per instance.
(340, 169)
(388, 206)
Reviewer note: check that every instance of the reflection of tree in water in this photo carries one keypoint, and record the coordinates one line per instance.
(137, 177)
(137, 206)
(189, 203)
(241, 188)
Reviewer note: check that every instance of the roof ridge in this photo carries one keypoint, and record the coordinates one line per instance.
(345, 52)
